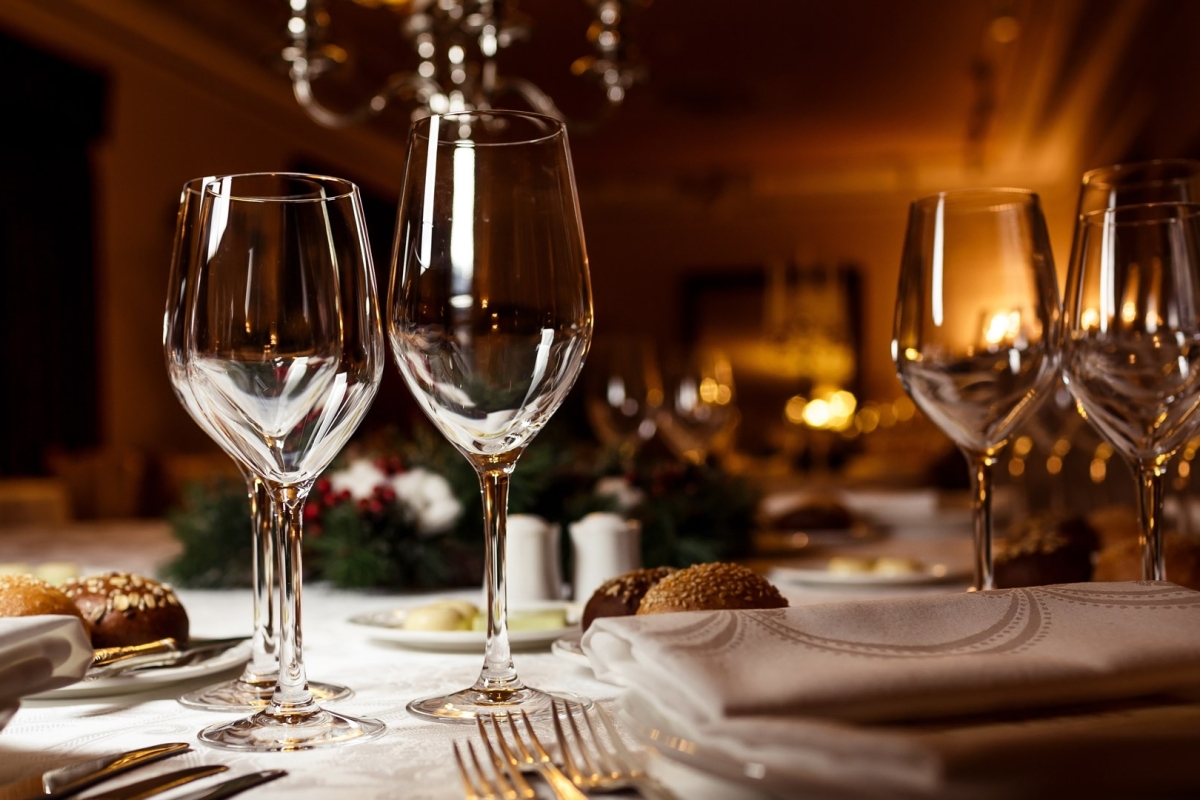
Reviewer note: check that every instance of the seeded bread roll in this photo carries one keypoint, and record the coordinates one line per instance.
(28, 596)
(126, 609)
(711, 587)
(621, 596)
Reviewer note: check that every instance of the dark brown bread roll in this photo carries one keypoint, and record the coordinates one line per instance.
(621, 596)
(28, 596)
(711, 587)
(126, 609)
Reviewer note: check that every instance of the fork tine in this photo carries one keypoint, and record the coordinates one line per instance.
(569, 766)
(508, 764)
(498, 767)
(581, 742)
(469, 790)
(629, 762)
(607, 760)
(490, 786)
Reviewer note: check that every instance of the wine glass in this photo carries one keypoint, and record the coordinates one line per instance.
(977, 315)
(253, 688)
(1131, 349)
(700, 412)
(624, 393)
(489, 319)
(283, 354)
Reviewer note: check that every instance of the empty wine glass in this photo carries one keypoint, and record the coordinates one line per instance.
(977, 315)
(253, 688)
(1131, 349)
(489, 319)
(700, 411)
(624, 393)
(283, 354)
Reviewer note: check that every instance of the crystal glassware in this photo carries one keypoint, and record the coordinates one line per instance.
(624, 393)
(977, 316)
(1131, 347)
(283, 354)
(253, 688)
(489, 318)
(699, 414)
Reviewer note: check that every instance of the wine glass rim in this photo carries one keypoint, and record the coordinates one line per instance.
(1093, 177)
(1107, 216)
(557, 127)
(342, 188)
(977, 192)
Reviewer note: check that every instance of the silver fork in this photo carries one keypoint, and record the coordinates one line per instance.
(533, 754)
(477, 785)
(508, 765)
(600, 768)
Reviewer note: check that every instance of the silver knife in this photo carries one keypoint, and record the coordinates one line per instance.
(159, 783)
(232, 786)
(67, 781)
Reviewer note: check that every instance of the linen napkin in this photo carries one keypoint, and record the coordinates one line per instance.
(875, 694)
(38, 654)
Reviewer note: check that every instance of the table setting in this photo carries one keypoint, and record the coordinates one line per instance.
(872, 650)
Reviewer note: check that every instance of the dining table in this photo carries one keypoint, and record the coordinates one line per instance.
(413, 759)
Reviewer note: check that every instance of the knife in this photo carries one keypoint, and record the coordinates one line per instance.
(67, 781)
(159, 783)
(230, 787)
(110, 661)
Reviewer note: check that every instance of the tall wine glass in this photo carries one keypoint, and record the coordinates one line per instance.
(1131, 349)
(700, 412)
(489, 318)
(253, 688)
(624, 393)
(283, 352)
(977, 315)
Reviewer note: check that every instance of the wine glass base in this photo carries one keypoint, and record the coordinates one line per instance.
(240, 695)
(471, 704)
(263, 733)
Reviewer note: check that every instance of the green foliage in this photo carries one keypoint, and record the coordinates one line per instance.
(689, 514)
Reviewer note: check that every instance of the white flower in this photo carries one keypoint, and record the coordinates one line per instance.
(626, 495)
(428, 496)
(360, 479)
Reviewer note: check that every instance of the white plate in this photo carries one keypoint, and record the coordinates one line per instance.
(568, 648)
(386, 625)
(141, 680)
(820, 576)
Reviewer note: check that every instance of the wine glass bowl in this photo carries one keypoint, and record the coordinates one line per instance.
(283, 354)
(253, 688)
(1131, 349)
(976, 326)
(489, 320)
(624, 393)
(699, 413)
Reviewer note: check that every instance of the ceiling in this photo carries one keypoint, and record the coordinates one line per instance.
(792, 97)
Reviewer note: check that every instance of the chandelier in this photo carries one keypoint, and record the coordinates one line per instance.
(456, 43)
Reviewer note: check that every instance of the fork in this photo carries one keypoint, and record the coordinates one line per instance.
(480, 786)
(532, 754)
(599, 768)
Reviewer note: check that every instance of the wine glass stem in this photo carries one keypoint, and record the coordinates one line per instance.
(981, 508)
(292, 696)
(498, 674)
(1150, 500)
(263, 665)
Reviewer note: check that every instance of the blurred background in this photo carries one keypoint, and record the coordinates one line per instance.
(745, 202)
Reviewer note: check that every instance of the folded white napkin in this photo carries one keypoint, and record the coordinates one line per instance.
(41, 653)
(830, 692)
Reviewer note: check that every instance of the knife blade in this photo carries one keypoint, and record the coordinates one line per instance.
(70, 780)
(232, 786)
(159, 783)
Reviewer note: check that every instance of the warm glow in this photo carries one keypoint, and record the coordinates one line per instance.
(1089, 320)
(1022, 446)
(817, 414)
(1003, 328)
(1016, 467)
(794, 410)
(1054, 465)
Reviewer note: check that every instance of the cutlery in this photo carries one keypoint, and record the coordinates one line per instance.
(110, 661)
(598, 767)
(535, 755)
(232, 786)
(159, 783)
(508, 765)
(481, 787)
(70, 780)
